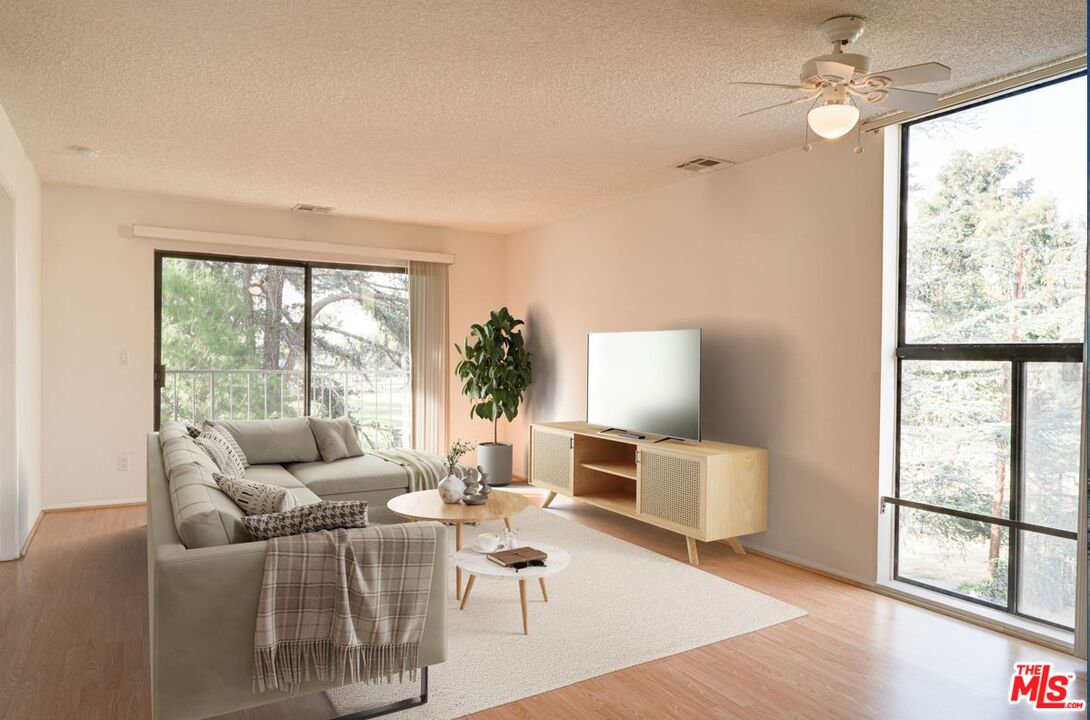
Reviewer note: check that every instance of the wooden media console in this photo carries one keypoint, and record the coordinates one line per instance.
(703, 490)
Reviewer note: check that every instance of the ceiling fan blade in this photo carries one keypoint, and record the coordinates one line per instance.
(911, 100)
(796, 101)
(834, 70)
(914, 74)
(775, 85)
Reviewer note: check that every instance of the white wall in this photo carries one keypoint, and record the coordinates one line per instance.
(99, 301)
(779, 260)
(20, 332)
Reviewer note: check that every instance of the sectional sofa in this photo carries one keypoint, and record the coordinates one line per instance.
(204, 572)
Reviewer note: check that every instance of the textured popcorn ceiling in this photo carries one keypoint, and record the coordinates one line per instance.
(478, 114)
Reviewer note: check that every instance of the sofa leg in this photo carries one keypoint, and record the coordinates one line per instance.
(394, 706)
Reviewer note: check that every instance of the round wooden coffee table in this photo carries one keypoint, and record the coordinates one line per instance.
(426, 505)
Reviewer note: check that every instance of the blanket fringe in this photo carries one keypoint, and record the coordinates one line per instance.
(288, 665)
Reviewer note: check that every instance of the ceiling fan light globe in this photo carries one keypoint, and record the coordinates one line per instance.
(833, 121)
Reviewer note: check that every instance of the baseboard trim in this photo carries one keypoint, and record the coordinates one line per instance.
(94, 505)
(807, 565)
(893, 593)
(30, 535)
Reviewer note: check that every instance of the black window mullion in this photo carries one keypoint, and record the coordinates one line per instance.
(307, 331)
(1014, 539)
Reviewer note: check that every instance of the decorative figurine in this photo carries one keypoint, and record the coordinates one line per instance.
(482, 478)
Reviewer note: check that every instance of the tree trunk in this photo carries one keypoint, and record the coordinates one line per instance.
(996, 535)
(274, 299)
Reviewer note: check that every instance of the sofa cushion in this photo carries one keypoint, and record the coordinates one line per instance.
(308, 519)
(278, 476)
(273, 441)
(358, 474)
(203, 515)
(336, 439)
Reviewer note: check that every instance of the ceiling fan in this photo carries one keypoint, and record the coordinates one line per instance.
(838, 82)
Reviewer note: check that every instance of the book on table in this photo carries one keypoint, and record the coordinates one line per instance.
(514, 556)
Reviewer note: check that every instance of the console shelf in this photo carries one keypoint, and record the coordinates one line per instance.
(619, 468)
(703, 490)
(619, 502)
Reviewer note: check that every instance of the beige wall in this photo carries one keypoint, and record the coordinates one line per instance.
(779, 260)
(20, 335)
(98, 301)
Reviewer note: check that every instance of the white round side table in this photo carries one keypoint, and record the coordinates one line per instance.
(475, 563)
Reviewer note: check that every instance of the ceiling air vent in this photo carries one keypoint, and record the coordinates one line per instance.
(702, 164)
(315, 209)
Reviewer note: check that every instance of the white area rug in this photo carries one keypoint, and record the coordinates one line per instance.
(615, 606)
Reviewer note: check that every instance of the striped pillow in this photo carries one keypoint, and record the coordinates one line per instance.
(255, 498)
(226, 459)
(229, 439)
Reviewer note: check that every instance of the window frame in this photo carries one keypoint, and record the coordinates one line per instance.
(306, 265)
(1017, 355)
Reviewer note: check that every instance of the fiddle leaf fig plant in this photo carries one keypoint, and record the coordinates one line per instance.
(495, 368)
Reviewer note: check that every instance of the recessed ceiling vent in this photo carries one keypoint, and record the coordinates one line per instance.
(313, 209)
(703, 164)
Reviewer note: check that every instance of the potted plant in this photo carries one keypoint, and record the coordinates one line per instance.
(495, 372)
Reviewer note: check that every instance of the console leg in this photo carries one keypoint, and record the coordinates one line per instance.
(551, 496)
(694, 559)
(736, 546)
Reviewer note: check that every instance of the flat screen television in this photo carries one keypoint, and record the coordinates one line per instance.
(645, 382)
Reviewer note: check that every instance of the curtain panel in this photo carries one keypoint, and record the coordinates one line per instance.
(430, 347)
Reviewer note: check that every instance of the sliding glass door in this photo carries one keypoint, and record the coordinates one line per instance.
(360, 352)
(250, 339)
(991, 331)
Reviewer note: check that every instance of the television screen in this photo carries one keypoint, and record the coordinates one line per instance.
(645, 382)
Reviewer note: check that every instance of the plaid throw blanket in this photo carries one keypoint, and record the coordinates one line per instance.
(425, 469)
(346, 606)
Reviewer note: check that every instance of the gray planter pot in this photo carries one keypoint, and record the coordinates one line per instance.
(495, 459)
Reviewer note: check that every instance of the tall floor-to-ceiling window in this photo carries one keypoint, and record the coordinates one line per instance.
(993, 257)
(250, 339)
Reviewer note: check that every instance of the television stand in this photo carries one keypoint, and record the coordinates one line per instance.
(621, 432)
(704, 490)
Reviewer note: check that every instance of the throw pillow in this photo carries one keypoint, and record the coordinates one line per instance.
(221, 453)
(255, 498)
(229, 439)
(325, 515)
(336, 439)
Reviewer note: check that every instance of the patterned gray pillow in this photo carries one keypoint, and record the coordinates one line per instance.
(255, 498)
(223, 432)
(221, 453)
(325, 515)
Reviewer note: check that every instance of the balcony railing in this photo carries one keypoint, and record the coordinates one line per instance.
(378, 403)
